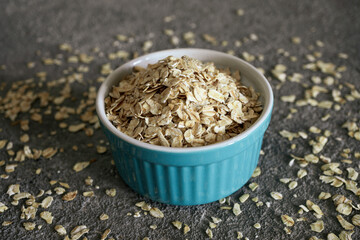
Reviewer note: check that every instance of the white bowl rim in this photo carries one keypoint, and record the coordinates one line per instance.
(100, 106)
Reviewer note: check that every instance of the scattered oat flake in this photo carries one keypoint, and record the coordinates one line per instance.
(254, 37)
(287, 230)
(13, 189)
(212, 225)
(30, 64)
(352, 173)
(293, 184)
(89, 181)
(104, 217)
(244, 197)
(324, 195)
(287, 220)
(253, 186)
(317, 226)
(6, 223)
(137, 214)
(49, 152)
(356, 219)
(105, 234)
(346, 235)
(106, 69)
(65, 185)
(257, 225)
(46, 202)
(147, 45)
(53, 182)
(248, 57)
(279, 72)
(314, 207)
(59, 190)
(319, 43)
(21, 195)
(177, 224)
(239, 235)
(357, 135)
(143, 205)
(3, 143)
(174, 40)
(285, 180)
(319, 145)
(216, 220)
(304, 208)
(236, 209)
(88, 193)
(311, 158)
(290, 98)
(345, 224)
(209, 233)
(29, 226)
(101, 149)
(288, 135)
(314, 129)
(314, 238)
(73, 59)
(4, 176)
(344, 208)
(343, 55)
(276, 195)
(24, 138)
(47, 216)
(111, 192)
(9, 168)
(65, 47)
(186, 229)
(77, 127)
(122, 37)
(325, 104)
(256, 172)
(155, 212)
(210, 39)
(240, 12)
(81, 166)
(301, 173)
(78, 231)
(29, 212)
(3, 207)
(189, 37)
(60, 230)
(296, 40)
(332, 236)
(70, 196)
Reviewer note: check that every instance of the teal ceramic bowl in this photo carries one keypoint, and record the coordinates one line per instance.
(188, 176)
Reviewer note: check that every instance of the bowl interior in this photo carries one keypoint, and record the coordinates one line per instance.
(249, 77)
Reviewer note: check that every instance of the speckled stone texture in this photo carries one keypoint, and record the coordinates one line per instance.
(39, 25)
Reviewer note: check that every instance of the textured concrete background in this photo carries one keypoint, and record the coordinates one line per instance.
(39, 25)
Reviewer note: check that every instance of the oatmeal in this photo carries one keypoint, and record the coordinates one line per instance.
(182, 102)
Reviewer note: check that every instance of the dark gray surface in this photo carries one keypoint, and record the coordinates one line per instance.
(28, 26)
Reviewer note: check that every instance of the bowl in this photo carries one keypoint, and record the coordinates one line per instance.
(194, 175)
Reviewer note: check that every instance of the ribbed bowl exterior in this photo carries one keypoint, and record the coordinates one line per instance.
(188, 178)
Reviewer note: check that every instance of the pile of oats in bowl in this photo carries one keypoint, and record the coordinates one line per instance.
(182, 102)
